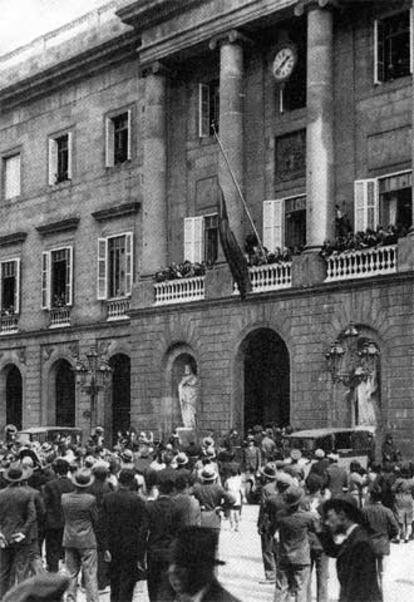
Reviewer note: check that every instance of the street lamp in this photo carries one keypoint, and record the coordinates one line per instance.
(92, 376)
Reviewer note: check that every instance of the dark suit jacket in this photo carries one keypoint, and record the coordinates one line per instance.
(186, 511)
(81, 514)
(17, 511)
(125, 522)
(161, 527)
(337, 479)
(52, 494)
(217, 593)
(355, 566)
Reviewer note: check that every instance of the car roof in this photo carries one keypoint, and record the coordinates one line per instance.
(325, 432)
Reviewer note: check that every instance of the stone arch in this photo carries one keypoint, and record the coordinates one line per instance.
(11, 388)
(261, 379)
(177, 355)
(61, 406)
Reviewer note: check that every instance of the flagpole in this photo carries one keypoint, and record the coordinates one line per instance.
(236, 184)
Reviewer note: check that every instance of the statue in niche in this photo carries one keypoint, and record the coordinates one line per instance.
(188, 396)
(367, 400)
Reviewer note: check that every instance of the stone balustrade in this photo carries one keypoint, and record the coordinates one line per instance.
(183, 290)
(377, 261)
(117, 309)
(59, 317)
(9, 324)
(270, 277)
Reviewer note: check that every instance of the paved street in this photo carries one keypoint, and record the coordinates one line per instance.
(243, 570)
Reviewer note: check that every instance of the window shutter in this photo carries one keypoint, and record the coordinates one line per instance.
(379, 67)
(203, 110)
(129, 263)
(366, 206)
(129, 149)
(46, 280)
(52, 161)
(109, 143)
(273, 222)
(193, 239)
(411, 41)
(17, 287)
(70, 155)
(69, 276)
(12, 176)
(102, 269)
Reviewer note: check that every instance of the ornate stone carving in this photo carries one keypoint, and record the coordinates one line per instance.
(21, 355)
(304, 5)
(74, 349)
(229, 37)
(47, 352)
(290, 156)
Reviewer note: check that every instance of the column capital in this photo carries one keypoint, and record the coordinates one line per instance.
(303, 6)
(155, 68)
(230, 37)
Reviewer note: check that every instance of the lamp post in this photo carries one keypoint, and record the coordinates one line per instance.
(352, 360)
(93, 376)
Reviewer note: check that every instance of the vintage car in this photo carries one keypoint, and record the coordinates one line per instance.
(350, 444)
(49, 433)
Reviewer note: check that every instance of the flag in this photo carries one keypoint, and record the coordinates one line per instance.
(232, 252)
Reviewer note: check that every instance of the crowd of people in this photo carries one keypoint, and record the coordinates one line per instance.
(147, 509)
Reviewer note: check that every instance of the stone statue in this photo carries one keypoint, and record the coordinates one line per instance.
(188, 396)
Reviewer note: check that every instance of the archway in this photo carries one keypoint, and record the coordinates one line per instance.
(121, 393)
(266, 379)
(65, 394)
(14, 396)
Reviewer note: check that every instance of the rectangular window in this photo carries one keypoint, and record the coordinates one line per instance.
(118, 139)
(60, 158)
(201, 239)
(284, 224)
(393, 46)
(10, 287)
(208, 108)
(115, 266)
(57, 278)
(395, 201)
(12, 175)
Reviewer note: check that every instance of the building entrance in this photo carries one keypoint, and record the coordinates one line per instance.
(14, 392)
(266, 379)
(65, 394)
(121, 393)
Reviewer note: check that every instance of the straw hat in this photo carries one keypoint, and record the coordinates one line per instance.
(83, 478)
(208, 474)
(17, 473)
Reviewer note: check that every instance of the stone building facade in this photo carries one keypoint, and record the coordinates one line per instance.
(333, 140)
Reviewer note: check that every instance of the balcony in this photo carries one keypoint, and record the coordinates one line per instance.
(183, 290)
(117, 309)
(59, 317)
(269, 277)
(349, 265)
(9, 324)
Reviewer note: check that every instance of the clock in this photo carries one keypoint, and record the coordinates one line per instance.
(284, 62)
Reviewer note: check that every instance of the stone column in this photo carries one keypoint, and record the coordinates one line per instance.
(154, 212)
(320, 190)
(231, 124)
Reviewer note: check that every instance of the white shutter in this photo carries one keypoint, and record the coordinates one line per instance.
(129, 263)
(70, 155)
(273, 224)
(129, 149)
(16, 287)
(46, 280)
(69, 276)
(102, 285)
(109, 143)
(52, 161)
(366, 205)
(194, 239)
(203, 110)
(12, 176)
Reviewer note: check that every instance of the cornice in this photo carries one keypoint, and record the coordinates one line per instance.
(78, 67)
(64, 225)
(117, 211)
(12, 239)
(208, 28)
(149, 13)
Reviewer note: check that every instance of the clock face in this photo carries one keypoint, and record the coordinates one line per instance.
(284, 63)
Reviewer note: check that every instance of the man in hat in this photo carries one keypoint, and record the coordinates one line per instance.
(263, 523)
(212, 497)
(293, 525)
(192, 566)
(186, 507)
(125, 522)
(55, 522)
(319, 467)
(81, 514)
(17, 518)
(337, 476)
(349, 543)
